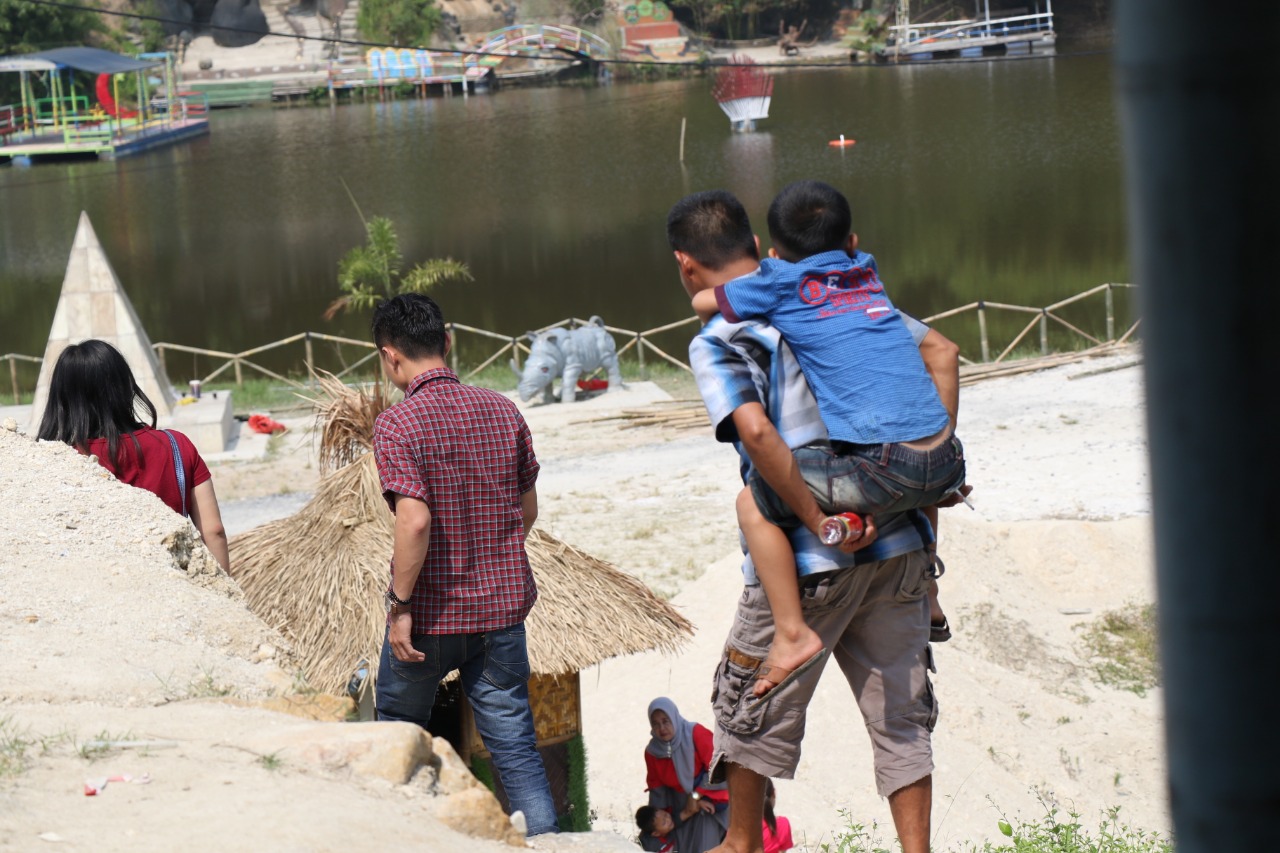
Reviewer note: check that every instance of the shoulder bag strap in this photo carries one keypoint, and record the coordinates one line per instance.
(179, 469)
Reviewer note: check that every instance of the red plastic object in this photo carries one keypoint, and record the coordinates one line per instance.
(593, 384)
(103, 90)
(264, 424)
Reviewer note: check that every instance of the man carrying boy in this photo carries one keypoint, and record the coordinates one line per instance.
(457, 468)
(870, 607)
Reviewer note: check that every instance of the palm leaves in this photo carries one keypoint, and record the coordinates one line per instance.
(371, 273)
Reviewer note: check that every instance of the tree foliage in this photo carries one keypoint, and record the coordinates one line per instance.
(27, 27)
(404, 23)
(371, 273)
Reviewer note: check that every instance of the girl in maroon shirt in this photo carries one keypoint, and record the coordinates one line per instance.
(93, 406)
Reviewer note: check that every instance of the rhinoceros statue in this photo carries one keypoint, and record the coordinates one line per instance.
(568, 354)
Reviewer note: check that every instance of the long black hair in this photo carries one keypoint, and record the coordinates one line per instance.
(93, 395)
(769, 794)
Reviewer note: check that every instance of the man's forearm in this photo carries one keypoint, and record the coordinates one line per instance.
(775, 462)
(412, 539)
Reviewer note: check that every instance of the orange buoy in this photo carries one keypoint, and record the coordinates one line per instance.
(841, 142)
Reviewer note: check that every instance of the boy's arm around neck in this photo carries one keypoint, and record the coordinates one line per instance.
(704, 304)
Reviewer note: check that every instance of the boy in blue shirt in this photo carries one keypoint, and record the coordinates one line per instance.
(891, 442)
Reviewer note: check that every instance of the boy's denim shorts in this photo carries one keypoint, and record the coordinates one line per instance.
(867, 478)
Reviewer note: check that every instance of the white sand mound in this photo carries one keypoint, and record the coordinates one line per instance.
(107, 595)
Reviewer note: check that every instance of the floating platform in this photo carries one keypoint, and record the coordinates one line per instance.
(66, 124)
(971, 39)
(104, 142)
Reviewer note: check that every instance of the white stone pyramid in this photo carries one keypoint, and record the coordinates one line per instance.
(94, 305)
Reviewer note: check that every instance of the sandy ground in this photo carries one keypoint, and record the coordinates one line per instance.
(1060, 535)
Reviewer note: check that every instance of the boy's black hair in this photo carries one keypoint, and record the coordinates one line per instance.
(645, 817)
(93, 395)
(713, 228)
(808, 218)
(412, 323)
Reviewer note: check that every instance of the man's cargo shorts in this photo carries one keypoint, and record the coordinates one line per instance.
(875, 621)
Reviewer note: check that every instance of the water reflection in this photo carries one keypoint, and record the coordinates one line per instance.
(997, 181)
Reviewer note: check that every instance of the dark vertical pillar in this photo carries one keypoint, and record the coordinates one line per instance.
(1198, 92)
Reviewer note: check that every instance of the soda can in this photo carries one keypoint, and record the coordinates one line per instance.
(195, 388)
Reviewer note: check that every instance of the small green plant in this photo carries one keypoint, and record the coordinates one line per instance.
(1122, 646)
(1062, 721)
(206, 686)
(370, 273)
(270, 761)
(854, 838)
(1056, 834)
(13, 748)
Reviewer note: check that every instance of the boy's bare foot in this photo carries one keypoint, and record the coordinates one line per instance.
(786, 655)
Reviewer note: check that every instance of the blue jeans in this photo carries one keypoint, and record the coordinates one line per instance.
(867, 478)
(494, 666)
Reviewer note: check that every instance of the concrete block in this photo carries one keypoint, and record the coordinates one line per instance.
(208, 422)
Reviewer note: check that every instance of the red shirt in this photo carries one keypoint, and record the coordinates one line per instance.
(662, 771)
(779, 841)
(153, 469)
(468, 454)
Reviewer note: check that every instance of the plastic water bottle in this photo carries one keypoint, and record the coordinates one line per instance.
(838, 529)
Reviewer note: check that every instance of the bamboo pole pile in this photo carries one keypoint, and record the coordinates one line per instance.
(971, 374)
(675, 414)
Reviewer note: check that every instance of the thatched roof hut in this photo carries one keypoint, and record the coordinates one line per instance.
(318, 576)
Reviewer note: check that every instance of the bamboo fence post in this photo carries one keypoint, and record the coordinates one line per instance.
(453, 350)
(683, 119)
(13, 378)
(515, 352)
(160, 354)
(239, 373)
(311, 361)
(1044, 332)
(982, 331)
(640, 354)
(1111, 314)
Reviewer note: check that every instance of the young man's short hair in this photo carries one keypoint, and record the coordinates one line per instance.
(711, 227)
(412, 323)
(809, 218)
(645, 818)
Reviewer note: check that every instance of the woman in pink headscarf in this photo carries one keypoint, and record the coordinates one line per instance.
(677, 759)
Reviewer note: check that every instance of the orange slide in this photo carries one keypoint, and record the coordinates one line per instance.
(103, 90)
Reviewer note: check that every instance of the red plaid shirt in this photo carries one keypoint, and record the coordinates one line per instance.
(468, 454)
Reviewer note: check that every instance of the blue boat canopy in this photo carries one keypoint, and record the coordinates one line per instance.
(91, 59)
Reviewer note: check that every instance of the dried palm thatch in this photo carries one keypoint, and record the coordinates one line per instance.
(589, 611)
(344, 420)
(319, 575)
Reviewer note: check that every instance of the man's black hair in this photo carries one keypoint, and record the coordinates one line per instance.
(808, 218)
(412, 323)
(711, 227)
(93, 395)
(645, 818)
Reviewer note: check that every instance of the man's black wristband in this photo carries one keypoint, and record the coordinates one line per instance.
(391, 594)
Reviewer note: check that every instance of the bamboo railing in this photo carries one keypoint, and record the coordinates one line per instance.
(639, 342)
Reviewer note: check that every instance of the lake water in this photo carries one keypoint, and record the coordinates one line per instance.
(989, 180)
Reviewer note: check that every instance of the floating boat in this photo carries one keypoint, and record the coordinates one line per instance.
(972, 38)
(71, 123)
